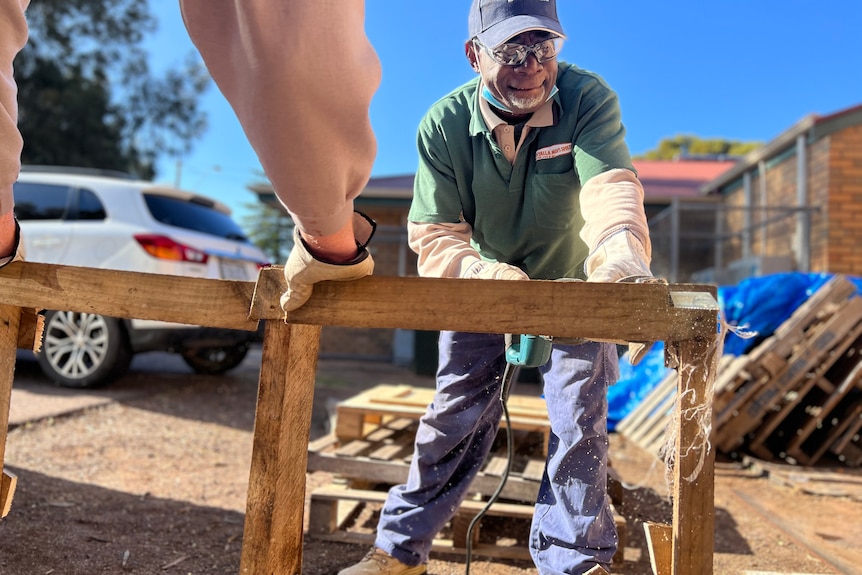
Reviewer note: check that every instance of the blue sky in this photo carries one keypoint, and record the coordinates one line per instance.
(741, 70)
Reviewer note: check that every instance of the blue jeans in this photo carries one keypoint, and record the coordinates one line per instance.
(572, 528)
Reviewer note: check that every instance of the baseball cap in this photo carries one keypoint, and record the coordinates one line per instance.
(495, 21)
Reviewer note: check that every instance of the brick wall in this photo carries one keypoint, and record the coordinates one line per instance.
(818, 193)
(845, 202)
(834, 170)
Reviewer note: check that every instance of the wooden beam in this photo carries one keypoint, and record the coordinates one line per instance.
(613, 312)
(10, 319)
(659, 539)
(694, 456)
(8, 482)
(272, 540)
(194, 301)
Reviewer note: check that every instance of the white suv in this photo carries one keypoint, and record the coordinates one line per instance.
(75, 217)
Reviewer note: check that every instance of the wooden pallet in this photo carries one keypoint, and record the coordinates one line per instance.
(748, 411)
(736, 385)
(364, 413)
(800, 418)
(371, 449)
(795, 397)
(335, 509)
(383, 457)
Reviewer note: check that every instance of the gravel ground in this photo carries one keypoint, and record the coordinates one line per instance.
(155, 482)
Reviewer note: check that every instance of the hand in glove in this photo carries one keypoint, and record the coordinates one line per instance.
(495, 271)
(303, 270)
(622, 258)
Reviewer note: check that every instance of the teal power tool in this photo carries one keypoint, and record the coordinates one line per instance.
(527, 351)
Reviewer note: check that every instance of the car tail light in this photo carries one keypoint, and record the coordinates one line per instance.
(164, 248)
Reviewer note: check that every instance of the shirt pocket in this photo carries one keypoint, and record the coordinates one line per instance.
(555, 200)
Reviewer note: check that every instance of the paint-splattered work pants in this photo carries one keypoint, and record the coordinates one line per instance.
(572, 527)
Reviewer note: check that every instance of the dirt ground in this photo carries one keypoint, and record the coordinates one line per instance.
(156, 484)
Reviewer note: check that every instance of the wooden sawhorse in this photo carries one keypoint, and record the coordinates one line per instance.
(684, 317)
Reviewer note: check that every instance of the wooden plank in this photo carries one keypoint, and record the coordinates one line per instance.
(413, 401)
(518, 487)
(848, 446)
(272, 539)
(659, 539)
(534, 470)
(390, 403)
(694, 457)
(631, 423)
(10, 319)
(353, 448)
(8, 482)
(30, 329)
(194, 301)
(618, 311)
(499, 509)
(390, 452)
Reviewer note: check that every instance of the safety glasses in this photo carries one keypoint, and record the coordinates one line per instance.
(516, 54)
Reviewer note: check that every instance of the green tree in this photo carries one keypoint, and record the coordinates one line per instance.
(694, 147)
(270, 229)
(87, 96)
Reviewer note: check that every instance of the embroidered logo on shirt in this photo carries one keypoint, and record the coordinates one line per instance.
(553, 151)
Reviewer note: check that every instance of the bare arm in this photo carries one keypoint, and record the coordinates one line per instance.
(300, 76)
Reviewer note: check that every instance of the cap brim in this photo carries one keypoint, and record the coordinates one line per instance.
(496, 35)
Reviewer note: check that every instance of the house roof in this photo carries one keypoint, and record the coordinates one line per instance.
(664, 180)
(813, 127)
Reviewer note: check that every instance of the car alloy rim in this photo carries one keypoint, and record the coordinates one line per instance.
(76, 343)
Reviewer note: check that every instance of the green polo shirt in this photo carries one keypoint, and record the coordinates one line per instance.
(525, 213)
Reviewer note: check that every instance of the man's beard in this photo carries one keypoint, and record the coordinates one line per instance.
(525, 104)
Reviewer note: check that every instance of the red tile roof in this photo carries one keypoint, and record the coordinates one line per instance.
(664, 180)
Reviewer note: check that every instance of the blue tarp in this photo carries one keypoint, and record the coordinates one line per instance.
(757, 305)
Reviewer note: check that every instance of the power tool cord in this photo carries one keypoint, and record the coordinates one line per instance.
(508, 377)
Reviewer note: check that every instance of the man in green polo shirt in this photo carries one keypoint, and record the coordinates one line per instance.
(523, 174)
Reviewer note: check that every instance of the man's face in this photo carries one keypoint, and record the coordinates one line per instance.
(524, 88)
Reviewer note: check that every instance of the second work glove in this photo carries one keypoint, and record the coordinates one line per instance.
(622, 258)
(302, 270)
(495, 271)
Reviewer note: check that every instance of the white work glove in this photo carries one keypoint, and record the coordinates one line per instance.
(302, 270)
(495, 271)
(622, 258)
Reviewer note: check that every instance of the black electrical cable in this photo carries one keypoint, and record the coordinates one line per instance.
(508, 377)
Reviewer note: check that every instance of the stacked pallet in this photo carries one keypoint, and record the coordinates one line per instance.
(796, 397)
(371, 448)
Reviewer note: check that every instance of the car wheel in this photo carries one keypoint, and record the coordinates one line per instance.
(215, 360)
(83, 349)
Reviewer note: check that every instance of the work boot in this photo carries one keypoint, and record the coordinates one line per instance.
(379, 562)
